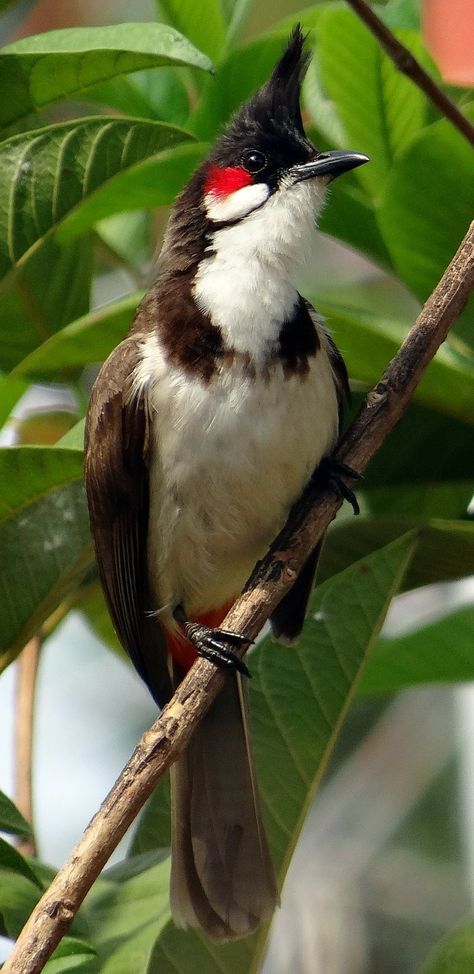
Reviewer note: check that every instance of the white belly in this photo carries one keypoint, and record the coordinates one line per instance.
(230, 458)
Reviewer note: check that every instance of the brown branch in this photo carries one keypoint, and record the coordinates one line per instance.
(27, 669)
(169, 735)
(407, 64)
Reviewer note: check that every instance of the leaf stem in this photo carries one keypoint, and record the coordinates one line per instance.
(407, 64)
(26, 676)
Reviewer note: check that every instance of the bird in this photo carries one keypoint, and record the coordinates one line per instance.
(203, 428)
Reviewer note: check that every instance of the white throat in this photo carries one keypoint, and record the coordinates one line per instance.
(246, 284)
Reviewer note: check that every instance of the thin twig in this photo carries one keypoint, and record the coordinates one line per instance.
(169, 735)
(407, 63)
(27, 670)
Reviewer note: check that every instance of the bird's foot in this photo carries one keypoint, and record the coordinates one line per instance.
(212, 645)
(330, 473)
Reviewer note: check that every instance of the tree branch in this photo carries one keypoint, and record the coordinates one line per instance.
(27, 669)
(407, 64)
(161, 745)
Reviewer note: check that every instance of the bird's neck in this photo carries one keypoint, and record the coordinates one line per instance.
(245, 282)
(238, 300)
(248, 300)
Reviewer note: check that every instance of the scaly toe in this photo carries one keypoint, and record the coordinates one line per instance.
(210, 644)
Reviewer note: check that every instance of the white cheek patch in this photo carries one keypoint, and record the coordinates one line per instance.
(235, 205)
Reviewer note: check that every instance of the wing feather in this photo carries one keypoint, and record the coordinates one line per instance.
(116, 476)
(338, 365)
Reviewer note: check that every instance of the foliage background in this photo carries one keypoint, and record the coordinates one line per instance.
(386, 862)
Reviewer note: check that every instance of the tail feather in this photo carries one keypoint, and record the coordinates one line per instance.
(222, 877)
(288, 617)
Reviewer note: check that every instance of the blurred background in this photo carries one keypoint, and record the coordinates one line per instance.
(386, 861)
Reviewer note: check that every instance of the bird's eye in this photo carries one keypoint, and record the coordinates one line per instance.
(253, 160)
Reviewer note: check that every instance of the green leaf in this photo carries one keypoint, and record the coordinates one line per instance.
(46, 174)
(155, 182)
(321, 109)
(73, 955)
(350, 216)
(189, 951)
(74, 438)
(41, 69)
(242, 71)
(18, 897)
(452, 499)
(126, 915)
(134, 866)
(454, 954)
(158, 94)
(126, 236)
(445, 549)
(440, 652)
(427, 205)
(202, 22)
(5, 4)
(153, 830)
(411, 455)
(400, 13)
(11, 390)
(11, 820)
(28, 472)
(237, 14)
(308, 17)
(90, 339)
(299, 698)
(314, 683)
(370, 341)
(12, 861)
(44, 538)
(93, 607)
(30, 312)
(380, 109)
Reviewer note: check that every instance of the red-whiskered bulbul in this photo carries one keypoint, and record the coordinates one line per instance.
(204, 427)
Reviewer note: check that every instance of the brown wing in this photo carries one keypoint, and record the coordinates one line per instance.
(338, 365)
(116, 476)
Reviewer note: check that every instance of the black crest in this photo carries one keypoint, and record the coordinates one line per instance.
(272, 115)
(280, 96)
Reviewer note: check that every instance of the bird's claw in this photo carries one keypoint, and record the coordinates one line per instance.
(211, 645)
(330, 473)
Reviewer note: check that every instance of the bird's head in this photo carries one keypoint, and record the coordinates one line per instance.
(264, 152)
(263, 174)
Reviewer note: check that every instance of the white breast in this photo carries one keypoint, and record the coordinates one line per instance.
(230, 458)
(245, 285)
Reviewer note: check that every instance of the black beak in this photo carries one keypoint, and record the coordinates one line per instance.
(327, 164)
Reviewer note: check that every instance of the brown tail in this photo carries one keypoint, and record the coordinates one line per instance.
(222, 877)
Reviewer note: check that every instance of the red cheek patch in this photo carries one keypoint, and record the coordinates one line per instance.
(224, 180)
